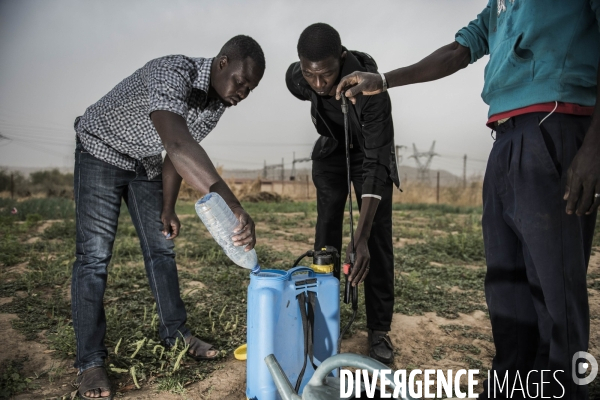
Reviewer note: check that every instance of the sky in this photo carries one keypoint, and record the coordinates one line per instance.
(57, 57)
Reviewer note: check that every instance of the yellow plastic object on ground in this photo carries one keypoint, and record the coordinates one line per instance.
(240, 352)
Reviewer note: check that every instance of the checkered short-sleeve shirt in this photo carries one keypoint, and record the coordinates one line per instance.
(118, 130)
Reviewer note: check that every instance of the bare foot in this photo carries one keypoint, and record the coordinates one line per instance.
(97, 393)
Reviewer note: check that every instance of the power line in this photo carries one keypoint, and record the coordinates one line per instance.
(37, 140)
(35, 147)
(257, 144)
(11, 114)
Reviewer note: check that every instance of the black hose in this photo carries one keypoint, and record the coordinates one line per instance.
(308, 253)
(348, 325)
(347, 137)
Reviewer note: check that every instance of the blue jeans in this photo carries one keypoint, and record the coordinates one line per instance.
(536, 254)
(99, 188)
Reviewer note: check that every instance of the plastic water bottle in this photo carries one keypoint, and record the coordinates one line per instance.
(221, 223)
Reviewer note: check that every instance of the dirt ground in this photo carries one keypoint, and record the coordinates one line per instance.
(415, 339)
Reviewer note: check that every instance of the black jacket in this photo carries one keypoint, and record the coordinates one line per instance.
(370, 120)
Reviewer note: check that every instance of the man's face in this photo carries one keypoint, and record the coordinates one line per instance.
(322, 75)
(233, 80)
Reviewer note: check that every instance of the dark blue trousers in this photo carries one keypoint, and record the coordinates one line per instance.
(99, 189)
(536, 256)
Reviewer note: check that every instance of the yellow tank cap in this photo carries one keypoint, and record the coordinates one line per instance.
(322, 269)
(241, 352)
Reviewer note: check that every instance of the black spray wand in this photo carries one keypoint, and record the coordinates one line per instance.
(349, 290)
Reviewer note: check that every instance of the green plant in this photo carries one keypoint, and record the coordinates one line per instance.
(12, 381)
(11, 249)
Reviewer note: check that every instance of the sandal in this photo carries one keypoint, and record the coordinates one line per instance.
(380, 346)
(94, 380)
(198, 349)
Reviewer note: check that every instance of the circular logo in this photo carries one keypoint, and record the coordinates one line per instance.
(580, 367)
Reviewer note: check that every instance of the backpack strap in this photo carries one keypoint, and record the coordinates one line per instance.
(307, 303)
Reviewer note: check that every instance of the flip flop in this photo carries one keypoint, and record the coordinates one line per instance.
(94, 378)
(198, 349)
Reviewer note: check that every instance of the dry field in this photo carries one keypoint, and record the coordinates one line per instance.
(440, 319)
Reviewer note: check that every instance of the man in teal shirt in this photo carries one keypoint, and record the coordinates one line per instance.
(542, 184)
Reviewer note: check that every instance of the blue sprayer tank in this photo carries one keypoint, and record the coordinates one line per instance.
(275, 325)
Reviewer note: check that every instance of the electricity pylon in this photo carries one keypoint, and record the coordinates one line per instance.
(423, 167)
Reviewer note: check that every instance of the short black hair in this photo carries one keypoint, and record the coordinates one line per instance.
(241, 47)
(318, 42)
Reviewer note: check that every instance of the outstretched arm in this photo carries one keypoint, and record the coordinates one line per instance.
(443, 62)
(193, 164)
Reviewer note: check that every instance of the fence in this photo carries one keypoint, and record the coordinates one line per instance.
(303, 188)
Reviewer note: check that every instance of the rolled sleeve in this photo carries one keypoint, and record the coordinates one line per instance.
(168, 88)
(378, 135)
(475, 35)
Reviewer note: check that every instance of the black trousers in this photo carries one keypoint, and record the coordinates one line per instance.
(330, 178)
(536, 255)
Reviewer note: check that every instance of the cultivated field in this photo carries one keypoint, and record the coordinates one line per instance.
(440, 316)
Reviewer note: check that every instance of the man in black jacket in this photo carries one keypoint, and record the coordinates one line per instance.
(323, 61)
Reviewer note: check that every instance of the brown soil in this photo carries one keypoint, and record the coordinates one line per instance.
(38, 358)
(419, 341)
(407, 241)
(287, 245)
(17, 269)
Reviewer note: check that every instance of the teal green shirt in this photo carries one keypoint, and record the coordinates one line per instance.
(540, 51)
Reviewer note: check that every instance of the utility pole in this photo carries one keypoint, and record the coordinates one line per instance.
(294, 162)
(465, 172)
(293, 173)
(273, 167)
(307, 193)
(437, 192)
(398, 155)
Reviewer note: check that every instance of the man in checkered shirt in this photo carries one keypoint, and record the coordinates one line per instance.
(171, 104)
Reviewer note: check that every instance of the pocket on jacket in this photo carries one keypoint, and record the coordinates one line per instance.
(510, 64)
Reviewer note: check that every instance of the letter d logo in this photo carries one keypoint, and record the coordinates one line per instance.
(582, 367)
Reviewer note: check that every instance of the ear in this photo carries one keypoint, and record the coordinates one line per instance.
(343, 56)
(223, 62)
